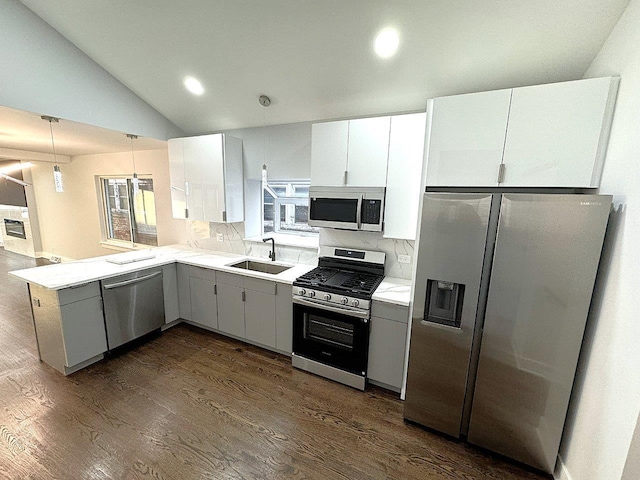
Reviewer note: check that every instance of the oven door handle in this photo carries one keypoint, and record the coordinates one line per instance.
(342, 310)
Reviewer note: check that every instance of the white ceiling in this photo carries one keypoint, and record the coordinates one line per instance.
(315, 58)
(21, 130)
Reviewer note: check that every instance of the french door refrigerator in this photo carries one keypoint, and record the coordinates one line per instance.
(502, 291)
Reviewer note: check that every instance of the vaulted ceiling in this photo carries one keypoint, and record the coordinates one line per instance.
(315, 59)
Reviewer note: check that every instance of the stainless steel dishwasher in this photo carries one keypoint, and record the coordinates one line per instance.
(133, 305)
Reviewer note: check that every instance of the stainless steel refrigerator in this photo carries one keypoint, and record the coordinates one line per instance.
(502, 291)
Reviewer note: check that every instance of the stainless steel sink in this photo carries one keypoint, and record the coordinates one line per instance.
(269, 268)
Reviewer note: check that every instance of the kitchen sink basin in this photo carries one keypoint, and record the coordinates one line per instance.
(260, 267)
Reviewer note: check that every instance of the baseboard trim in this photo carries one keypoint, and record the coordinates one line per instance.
(561, 472)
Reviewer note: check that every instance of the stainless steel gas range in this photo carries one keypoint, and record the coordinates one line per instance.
(331, 312)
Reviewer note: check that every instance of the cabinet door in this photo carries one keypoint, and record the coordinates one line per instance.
(184, 297)
(329, 143)
(83, 330)
(212, 177)
(231, 310)
(176, 176)
(466, 139)
(387, 347)
(557, 133)
(260, 316)
(170, 289)
(204, 306)
(284, 318)
(368, 152)
(194, 151)
(233, 210)
(404, 180)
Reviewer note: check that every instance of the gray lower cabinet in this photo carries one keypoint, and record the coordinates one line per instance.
(231, 309)
(284, 318)
(260, 311)
(387, 344)
(69, 326)
(184, 296)
(170, 289)
(204, 301)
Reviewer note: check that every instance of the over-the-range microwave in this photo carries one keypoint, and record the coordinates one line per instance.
(349, 208)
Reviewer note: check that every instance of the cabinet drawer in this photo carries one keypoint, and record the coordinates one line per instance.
(389, 311)
(203, 273)
(258, 285)
(81, 292)
(230, 279)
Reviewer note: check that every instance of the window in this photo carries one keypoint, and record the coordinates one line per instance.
(286, 207)
(129, 216)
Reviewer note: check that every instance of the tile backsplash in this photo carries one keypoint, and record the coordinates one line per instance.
(205, 235)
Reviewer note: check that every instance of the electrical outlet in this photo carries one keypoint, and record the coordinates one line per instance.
(219, 237)
(404, 258)
(55, 259)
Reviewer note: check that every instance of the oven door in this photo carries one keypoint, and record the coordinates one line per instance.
(326, 336)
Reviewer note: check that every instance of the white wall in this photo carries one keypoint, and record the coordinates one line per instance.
(70, 221)
(606, 398)
(42, 72)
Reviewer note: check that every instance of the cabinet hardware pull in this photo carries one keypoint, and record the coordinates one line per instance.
(344, 179)
(275, 288)
(224, 216)
(501, 173)
(186, 213)
(244, 296)
(215, 289)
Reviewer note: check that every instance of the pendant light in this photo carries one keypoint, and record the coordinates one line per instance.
(134, 180)
(57, 174)
(265, 102)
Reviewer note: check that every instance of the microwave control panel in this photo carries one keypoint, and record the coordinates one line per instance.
(371, 211)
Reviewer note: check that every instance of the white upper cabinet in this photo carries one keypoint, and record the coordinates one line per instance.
(176, 175)
(368, 152)
(211, 178)
(466, 138)
(557, 134)
(329, 143)
(542, 136)
(404, 179)
(350, 153)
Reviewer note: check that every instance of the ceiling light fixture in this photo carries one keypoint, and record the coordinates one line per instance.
(193, 85)
(387, 42)
(57, 174)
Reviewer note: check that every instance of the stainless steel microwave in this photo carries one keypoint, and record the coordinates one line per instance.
(349, 208)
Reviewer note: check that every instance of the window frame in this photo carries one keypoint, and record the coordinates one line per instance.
(107, 221)
(288, 199)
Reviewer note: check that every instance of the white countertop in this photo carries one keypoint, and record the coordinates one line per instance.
(63, 275)
(394, 290)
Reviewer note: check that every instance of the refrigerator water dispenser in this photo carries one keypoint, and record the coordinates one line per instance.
(444, 303)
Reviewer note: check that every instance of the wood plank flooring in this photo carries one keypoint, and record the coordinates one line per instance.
(193, 404)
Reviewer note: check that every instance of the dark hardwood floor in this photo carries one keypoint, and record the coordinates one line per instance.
(193, 404)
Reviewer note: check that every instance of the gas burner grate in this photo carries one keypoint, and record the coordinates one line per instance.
(319, 275)
(362, 282)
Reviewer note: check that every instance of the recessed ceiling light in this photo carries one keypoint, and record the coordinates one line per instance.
(387, 42)
(193, 85)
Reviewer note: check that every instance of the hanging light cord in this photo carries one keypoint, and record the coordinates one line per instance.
(133, 155)
(53, 144)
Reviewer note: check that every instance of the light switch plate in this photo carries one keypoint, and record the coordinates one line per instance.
(404, 258)
(219, 237)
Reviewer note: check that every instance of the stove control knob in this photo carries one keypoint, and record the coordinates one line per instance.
(327, 296)
(312, 293)
(302, 292)
(344, 300)
(355, 303)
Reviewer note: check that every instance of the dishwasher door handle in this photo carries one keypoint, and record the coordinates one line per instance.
(129, 282)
